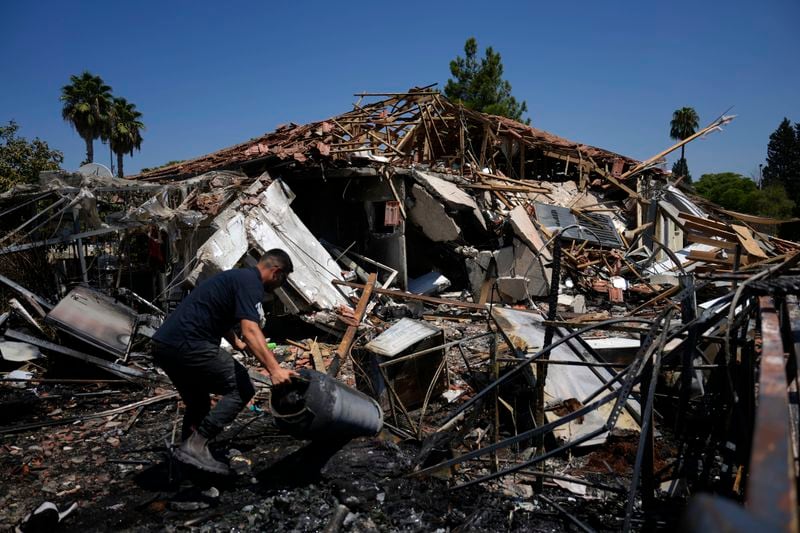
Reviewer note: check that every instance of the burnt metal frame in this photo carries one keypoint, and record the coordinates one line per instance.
(621, 396)
(771, 488)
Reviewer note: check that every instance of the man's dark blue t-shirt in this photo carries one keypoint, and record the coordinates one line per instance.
(212, 309)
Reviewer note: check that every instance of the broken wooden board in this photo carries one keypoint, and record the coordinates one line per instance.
(350, 334)
(316, 354)
(409, 296)
(747, 241)
(702, 239)
(711, 257)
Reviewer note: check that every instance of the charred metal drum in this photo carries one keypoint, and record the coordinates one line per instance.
(317, 405)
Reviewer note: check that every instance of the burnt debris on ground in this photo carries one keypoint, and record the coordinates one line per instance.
(558, 336)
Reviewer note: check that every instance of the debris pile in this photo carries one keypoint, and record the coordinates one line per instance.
(557, 335)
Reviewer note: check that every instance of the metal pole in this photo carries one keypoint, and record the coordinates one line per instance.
(79, 243)
(541, 369)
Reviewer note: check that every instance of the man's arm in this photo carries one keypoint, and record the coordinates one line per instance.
(254, 338)
(235, 341)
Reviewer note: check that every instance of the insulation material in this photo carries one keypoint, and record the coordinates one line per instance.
(430, 283)
(18, 352)
(524, 330)
(273, 224)
(221, 251)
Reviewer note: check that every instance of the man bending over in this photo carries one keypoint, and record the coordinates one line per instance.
(187, 347)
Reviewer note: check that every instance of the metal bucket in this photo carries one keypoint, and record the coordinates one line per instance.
(316, 405)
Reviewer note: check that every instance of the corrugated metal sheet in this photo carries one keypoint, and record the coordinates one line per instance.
(399, 337)
(592, 227)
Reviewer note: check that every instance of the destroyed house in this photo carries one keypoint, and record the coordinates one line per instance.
(531, 313)
(417, 183)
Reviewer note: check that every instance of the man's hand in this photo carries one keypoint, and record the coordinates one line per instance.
(240, 345)
(281, 376)
(258, 346)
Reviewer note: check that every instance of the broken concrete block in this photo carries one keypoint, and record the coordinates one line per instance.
(513, 289)
(565, 299)
(579, 304)
(524, 229)
(478, 271)
(430, 215)
(663, 279)
(450, 194)
(527, 265)
(505, 258)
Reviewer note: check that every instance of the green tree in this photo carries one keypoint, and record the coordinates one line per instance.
(87, 100)
(783, 159)
(22, 160)
(684, 124)
(738, 193)
(126, 128)
(729, 190)
(479, 85)
(774, 202)
(681, 168)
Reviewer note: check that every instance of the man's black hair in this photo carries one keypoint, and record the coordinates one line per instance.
(279, 258)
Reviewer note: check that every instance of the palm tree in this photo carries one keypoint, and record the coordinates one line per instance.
(684, 124)
(125, 130)
(86, 102)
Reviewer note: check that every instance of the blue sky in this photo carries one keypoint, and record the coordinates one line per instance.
(210, 74)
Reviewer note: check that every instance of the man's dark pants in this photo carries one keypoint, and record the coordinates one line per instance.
(197, 371)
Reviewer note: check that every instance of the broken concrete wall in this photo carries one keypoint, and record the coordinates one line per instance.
(450, 194)
(516, 274)
(430, 215)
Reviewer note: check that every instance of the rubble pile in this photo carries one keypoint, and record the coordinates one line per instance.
(558, 336)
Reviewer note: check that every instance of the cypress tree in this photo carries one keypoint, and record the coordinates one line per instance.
(479, 85)
(783, 159)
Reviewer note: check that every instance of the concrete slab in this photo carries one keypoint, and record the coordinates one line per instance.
(525, 230)
(450, 194)
(430, 215)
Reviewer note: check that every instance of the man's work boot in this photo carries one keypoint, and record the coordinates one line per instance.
(194, 451)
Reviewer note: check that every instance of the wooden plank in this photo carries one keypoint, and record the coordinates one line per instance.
(717, 124)
(503, 199)
(633, 194)
(410, 296)
(666, 294)
(316, 355)
(705, 222)
(361, 308)
(750, 245)
(486, 290)
(511, 180)
(585, 166)
(505, 188)
(710, 257)
(708, 230)
(755, 219)
(701, 239)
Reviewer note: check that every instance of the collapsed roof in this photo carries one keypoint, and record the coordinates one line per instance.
(418, 127)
